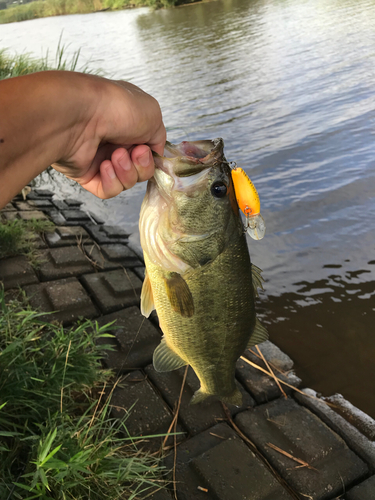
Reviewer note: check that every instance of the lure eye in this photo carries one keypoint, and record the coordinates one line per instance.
(219, 189)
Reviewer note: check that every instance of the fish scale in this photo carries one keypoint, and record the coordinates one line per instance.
(203, 293)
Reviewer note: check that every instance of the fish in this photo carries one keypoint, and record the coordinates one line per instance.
(199, 277)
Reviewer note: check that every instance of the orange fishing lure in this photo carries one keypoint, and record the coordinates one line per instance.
(249, 203)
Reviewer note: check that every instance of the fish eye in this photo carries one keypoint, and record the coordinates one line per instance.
(219, 189)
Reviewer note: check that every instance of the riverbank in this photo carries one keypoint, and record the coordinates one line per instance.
(272, 446)
(48, 8)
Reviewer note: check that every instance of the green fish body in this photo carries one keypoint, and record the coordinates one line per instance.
(199, 277)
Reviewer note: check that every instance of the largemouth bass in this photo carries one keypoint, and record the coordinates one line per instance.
(199, 277)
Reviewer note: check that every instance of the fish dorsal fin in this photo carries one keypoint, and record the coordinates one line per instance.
(165, 359)
(179, 295)
(257, 278)
(147, 299)
(259, 334)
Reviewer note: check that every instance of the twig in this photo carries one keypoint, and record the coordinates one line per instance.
(271, 372)
(298, 460)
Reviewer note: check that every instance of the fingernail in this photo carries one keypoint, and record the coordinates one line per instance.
(125, 162)
(110, 171)
(145, 159)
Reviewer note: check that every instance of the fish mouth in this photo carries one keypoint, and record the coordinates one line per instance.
(189, 158)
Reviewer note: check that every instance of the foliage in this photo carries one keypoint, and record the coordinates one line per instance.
(18, 236)
(57, 438)
(45, 8)
(23, 64)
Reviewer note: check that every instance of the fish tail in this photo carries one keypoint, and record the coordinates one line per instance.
(233, 399)
(199, 396)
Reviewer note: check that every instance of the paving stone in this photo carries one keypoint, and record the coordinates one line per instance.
(24, 205)
(261, 386)
(75, 215)
(9, 216)
(60, 204)
(363, 422)
(38, 241)
(73, 203)
(32, 214)
(41, 203)
(112, 256)
(297, 431)
(146, 413)
(113, 290)
(67, 297)
(274, 356)
(16, 271)
(364, 491)
(162, 494)
(359, 443)
(8, 208)
(195, 418)
(43, 193)
(56, 217)
(140, 272)
(67, 235)
(204, 461)
(96, 218)
(135, 342)
(106, 234)
(57, 263)
(243, 477)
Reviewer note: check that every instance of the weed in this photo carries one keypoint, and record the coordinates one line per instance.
(58, 440)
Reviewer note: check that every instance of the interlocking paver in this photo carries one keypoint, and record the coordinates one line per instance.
(261, 386)
(364, 491)
(62, 262)
(198, 417)
(67, 297)
(73, 203)
(210, 458)
(75, 215)
(113, 290)
(355, 439)
(16, 271)
(297, 431)
(32, 214)
(67, 235)
(107, 234)
(146, 413)
(135, 340)
(111, 256)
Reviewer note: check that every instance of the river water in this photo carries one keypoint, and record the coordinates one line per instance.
(290, 86)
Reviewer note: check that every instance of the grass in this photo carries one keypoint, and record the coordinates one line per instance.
(18, 237)
(23, 64)
(58, 440)
(46, 8)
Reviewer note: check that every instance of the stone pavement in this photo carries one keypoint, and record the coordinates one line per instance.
(272, 448)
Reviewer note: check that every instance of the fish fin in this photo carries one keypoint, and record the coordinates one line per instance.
(257, 279)
(165, 360)
(179, 295)
(147, 299)
(199, 396)
(233, 399)
(259, 334)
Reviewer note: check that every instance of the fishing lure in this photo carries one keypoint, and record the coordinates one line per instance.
(249, 203)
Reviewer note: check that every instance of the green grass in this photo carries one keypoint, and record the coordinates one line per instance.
(18, 237)
(46, 8)
(23, 64)
(58, 440)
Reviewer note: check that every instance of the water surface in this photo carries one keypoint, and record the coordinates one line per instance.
(290, 86)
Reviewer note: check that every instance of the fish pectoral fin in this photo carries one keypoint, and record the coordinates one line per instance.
(179, 295)
(165, 360)
(147, 298)
(259, 334)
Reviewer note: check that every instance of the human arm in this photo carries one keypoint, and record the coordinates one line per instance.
(96, 131)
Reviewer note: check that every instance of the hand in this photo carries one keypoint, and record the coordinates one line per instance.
(112, 150)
